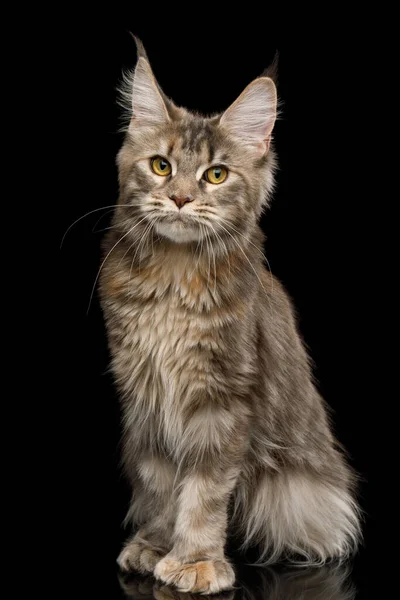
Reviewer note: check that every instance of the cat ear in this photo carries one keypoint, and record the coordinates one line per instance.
(148, 106)
(252, 116)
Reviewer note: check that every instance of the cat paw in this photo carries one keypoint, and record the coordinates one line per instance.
(205, 576)
(140, 557)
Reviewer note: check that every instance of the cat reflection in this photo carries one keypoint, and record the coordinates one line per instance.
(327, 583)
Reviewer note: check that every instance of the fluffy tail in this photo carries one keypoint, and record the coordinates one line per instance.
(296, 515)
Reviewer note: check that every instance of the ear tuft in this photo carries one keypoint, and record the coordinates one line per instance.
(272, 70)
(140, 49)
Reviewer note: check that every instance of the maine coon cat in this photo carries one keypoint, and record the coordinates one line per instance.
(224, 430)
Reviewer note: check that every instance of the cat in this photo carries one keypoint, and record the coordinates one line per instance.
(224, 432)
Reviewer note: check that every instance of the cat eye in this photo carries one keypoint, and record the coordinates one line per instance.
(216, 175)
(160, 166)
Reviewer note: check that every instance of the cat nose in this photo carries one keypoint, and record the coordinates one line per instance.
(181, 200)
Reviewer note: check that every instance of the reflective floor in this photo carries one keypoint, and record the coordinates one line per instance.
(254, 583)
(93, 573)
(351, 581)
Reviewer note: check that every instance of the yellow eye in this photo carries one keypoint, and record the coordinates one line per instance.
(160, 166)
(216, 175)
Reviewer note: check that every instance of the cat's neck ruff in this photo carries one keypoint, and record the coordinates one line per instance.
(200, 278)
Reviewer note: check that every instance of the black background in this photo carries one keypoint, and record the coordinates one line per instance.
(318, 241)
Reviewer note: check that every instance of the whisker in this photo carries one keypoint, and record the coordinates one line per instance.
(144, 240)
(126, 252)
(136, 251)
(256, 247)
(109, 228)
(209, 259)
(225, 246)
(201, 246)
(243, 236)
(152, 239)
(206, 211)
(195, 252)
(215, 267)
(134, 242)
(247, 258)
(104, 261)
(98, 221)
(115, 226)
(90, 213)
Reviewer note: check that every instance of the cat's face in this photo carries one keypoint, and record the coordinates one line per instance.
(190, 177)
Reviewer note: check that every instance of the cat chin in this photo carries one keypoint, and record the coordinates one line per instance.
(178, 232)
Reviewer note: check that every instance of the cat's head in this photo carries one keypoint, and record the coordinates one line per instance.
(191, 176)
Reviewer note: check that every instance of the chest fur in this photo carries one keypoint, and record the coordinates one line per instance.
(165, 329)
(174, 340)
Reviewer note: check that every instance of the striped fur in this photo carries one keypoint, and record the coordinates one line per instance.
(224, 430)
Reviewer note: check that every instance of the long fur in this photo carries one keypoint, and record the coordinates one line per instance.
(224, 429)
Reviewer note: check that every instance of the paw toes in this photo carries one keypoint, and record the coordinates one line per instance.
(128, 557)
(148, 559)
(207, 577)
(138, 557)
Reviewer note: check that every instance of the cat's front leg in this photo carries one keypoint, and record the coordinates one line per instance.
(153, 506)
(213, 456)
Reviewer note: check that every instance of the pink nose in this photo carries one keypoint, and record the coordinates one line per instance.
(181, 201)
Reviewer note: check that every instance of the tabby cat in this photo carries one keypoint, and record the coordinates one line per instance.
(224, 431)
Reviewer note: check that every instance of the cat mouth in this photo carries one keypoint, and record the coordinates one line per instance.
(179, 219)
(178, 227)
